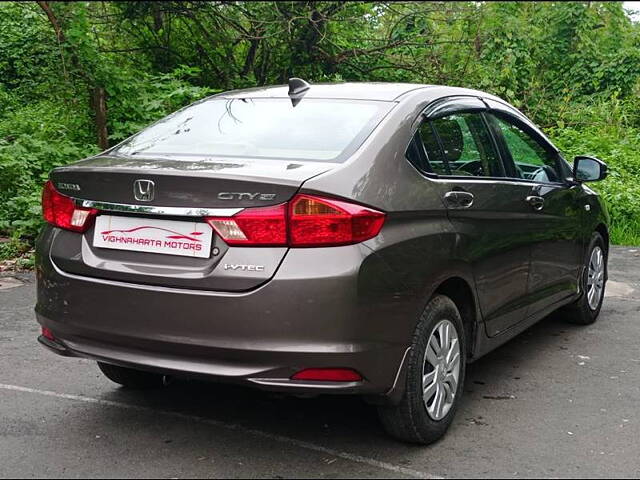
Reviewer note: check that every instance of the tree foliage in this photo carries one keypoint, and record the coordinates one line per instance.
(75, 76)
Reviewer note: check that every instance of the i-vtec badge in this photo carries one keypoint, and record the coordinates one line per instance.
(246, 196)
(244, 268)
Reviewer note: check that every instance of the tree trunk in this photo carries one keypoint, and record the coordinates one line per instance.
(53, 20)
(99, 106)
(251, 55)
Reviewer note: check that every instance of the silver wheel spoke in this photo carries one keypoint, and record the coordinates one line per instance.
(436, 407)
(429, 390)
(435, 344)
(453, 354)
(440, 404)
(432, 356)
(428, 380)
(431, 410)
(454, 364)
(449, 392)
(452, 382)
(443, 331)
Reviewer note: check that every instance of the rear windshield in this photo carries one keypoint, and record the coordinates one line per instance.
(321, 130)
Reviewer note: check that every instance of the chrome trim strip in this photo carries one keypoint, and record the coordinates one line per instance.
(300, 384)
(154, 210)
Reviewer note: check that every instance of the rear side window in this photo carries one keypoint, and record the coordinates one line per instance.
(435, 158)
(323, 130)
(532, 161)
(460, 145)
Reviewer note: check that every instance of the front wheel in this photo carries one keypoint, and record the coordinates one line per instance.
(435, 376)
(586, 309)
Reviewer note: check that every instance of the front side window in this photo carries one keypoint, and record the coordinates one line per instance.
(532, 161)
(322, 130)
(460, 145)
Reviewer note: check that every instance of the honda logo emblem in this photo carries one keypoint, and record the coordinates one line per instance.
(143, 190)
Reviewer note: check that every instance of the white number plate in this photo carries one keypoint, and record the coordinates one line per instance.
(188, 239)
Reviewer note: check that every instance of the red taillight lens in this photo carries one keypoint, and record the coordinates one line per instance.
(264, 226)
(60, 210)
(321, 222)
(306, 221)
(48, 334)
(328, 375)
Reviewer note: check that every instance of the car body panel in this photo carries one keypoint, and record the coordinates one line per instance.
(495, 237)
(343, 313)
(214, 273)
(557, 253)
(555, 230)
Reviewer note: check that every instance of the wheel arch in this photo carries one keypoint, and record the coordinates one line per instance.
(462, 294)
(602, 229)
(459, 288)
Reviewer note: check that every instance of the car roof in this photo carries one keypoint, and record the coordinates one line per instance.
(379, 91)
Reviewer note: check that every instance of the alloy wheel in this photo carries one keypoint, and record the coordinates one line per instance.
(441, 370)
(595, 278)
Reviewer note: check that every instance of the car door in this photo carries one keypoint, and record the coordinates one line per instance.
(486, 210)
(553, 204)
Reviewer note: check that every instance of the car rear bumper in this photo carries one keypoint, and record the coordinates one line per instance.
(262, 374)
(314, 313)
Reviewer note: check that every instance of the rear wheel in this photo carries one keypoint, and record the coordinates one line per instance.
(130, 378)
(435, 376)
(586, 309)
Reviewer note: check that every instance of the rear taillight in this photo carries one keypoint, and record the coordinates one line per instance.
(305, 221)
(61, 211)
(266, 226)
(48, 334)
(316, 222)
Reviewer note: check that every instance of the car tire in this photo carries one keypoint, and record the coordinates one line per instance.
(586, 309)
(414, 419)
(130, 378)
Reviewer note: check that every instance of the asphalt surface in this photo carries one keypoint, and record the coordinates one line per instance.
(557, 401)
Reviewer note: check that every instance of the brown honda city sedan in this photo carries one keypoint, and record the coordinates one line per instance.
(354, 238)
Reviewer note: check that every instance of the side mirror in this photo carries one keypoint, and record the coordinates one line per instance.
(588, 169)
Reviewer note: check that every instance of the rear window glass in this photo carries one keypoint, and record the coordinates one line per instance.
(315, 129)
(432, 149)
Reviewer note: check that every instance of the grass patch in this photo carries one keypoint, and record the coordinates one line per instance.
(625, 234)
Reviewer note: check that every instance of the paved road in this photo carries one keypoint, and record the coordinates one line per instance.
(558, 401)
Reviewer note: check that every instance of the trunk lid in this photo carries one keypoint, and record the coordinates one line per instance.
(184, 188)
(186, 182)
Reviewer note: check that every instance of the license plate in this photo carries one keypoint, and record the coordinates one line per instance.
(167, 237)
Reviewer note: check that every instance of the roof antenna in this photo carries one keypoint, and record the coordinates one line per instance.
(297, 89)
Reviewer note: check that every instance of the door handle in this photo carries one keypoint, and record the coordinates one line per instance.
(457, 199)
(536, 202)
